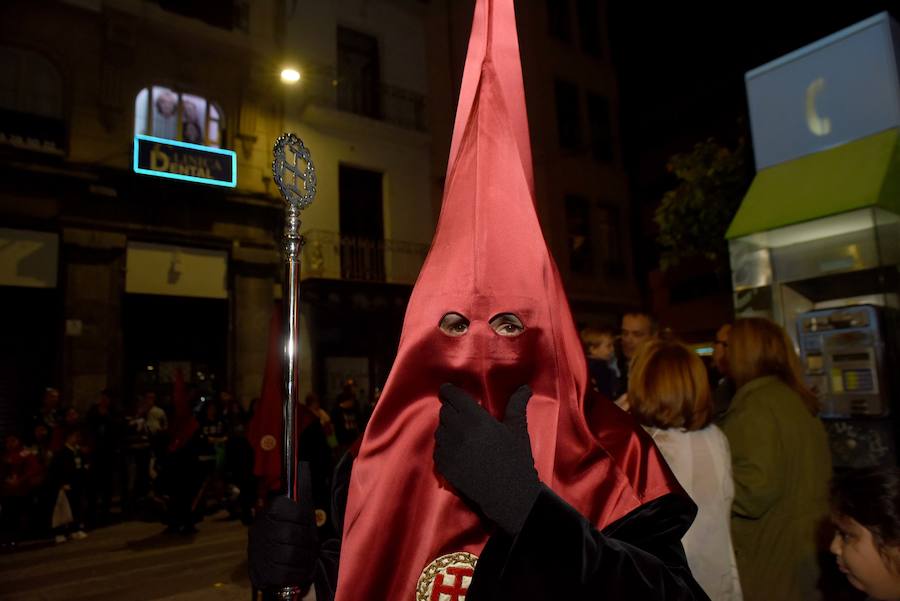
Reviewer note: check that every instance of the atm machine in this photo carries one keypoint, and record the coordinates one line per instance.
(849, 360)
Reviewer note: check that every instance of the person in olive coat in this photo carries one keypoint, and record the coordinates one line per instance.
(781, 466)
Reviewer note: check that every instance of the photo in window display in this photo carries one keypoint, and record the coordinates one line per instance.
(193, 119)
(140, 112)
(214, 134)
(165, 113)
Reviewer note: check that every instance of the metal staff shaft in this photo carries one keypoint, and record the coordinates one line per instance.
(295, 177)
(293, 243)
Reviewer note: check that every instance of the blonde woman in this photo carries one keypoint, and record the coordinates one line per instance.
(669, 395)
(781, 465)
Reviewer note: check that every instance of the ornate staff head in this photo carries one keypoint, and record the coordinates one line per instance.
(294, 172)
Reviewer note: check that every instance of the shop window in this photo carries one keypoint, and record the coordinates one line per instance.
(166, 113)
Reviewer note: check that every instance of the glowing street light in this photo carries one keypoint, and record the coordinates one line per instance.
(290, 76)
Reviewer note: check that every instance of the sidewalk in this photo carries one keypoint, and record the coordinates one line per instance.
(133, 561)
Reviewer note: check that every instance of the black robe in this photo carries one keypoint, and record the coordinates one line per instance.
(558, 554)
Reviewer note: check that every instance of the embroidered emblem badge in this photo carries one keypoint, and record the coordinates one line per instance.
(267, 442)
(447, 578)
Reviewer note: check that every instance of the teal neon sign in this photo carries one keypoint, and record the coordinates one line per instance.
(183, 161)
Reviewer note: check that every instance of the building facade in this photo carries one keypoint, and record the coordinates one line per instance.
(112, 277)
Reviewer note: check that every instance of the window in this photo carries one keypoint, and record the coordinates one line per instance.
(359, 76)
(31, 106)
(362, 223)
(600, 127)
(29, 84)
(578, 230)
(165, 113)
(609, 239)
(568, 115)
(589, 26)
(226, 14)
(559, 20)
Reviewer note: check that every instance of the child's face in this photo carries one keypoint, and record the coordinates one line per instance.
(600, 347)
(858, 557)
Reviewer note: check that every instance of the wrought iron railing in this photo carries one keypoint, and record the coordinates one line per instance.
(381, 101)
(334, 256)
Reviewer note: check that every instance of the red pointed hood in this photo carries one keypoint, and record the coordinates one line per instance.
(488, 257)
(264, 431)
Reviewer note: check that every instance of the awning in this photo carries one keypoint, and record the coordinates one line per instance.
(855, 175)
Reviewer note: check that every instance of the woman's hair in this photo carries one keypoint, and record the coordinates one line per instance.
(758, 347)
(668, 387)
(871, 496)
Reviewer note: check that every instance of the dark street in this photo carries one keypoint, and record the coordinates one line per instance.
(133, 560)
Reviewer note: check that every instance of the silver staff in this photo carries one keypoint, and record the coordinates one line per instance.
(295, 176)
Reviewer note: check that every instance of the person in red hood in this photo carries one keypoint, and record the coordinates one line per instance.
(486, 471)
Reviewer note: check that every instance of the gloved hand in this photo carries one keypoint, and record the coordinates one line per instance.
(488, 462)
(283, 547)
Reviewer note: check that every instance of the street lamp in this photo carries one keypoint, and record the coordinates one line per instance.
(290, 76)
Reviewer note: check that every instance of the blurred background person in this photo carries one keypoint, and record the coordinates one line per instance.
(865, 509)
(668, 393)
(314, 404)
(723, 385)
(21, 474)
(68, 476)
(781, 466)
(637, 328)
(600, 350)
(346, 416)
(103, 432)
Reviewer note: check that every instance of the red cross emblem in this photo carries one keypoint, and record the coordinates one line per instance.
(447, 578)
(458, 586)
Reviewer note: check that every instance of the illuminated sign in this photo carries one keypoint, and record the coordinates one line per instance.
(183, 161)
(841, 88)
(818, 125)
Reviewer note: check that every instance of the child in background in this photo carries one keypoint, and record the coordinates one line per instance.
(866, 512)
(599, 347)
(68, 473)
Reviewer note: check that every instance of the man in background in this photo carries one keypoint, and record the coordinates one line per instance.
(637, 328)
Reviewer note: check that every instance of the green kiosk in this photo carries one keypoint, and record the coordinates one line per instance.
(815, 244)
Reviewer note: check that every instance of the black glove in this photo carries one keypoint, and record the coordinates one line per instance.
(488, 462)
(283, 547)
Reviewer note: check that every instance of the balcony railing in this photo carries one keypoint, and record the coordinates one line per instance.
(383, 102)
(334, 256)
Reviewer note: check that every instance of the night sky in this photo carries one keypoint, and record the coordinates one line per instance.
(681, 74)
